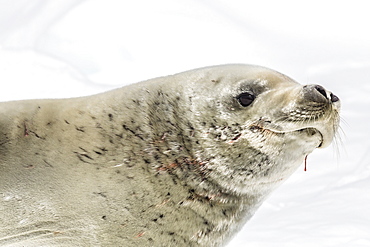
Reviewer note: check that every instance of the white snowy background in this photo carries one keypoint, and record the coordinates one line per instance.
(68, 48)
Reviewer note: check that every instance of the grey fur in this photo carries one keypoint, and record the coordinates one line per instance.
(173, 161)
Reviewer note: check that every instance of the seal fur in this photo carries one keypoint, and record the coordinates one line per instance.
(172, 161)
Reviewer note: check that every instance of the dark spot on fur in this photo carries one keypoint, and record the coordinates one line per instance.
(110, 117)
(87, 156)
(81, 156)
(133, 132)
(48, 164)
(33, 132)
(236, 137)
(119, 135)
(81, 129)
(102, 194)
(103, 149)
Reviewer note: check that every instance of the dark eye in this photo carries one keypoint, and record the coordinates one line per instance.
(245, 99)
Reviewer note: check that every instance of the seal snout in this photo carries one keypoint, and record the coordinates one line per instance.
(319, 94)
(322, 110)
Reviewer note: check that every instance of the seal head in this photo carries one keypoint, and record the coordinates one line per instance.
(256, 125)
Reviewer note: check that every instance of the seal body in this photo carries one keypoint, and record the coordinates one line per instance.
(182, 160)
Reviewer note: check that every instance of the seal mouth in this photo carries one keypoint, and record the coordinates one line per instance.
(311, 131)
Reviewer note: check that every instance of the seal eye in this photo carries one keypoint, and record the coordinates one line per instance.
(245, 99)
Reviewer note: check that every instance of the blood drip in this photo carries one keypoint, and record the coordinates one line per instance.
(305, 163)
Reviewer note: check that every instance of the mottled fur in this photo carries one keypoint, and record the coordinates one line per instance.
(173, 161)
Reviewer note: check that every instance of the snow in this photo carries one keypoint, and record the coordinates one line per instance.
(52, 49)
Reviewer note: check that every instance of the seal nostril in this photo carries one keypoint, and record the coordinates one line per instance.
(333, 98)
(321, 90)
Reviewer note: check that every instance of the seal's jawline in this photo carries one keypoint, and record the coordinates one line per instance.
(297, 130)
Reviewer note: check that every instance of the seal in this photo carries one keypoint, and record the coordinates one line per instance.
(182, 160)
